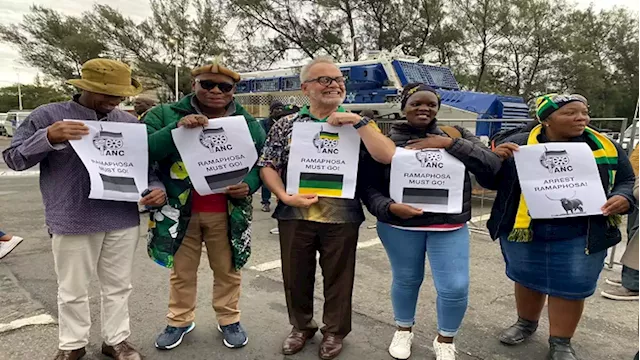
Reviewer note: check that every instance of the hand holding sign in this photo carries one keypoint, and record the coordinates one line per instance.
(615, 205)
(404, 211)
(430, 142)
(62, 131)
(238, 191)
(193, 121)
(343, 118)
(506, 150)
(300, 200)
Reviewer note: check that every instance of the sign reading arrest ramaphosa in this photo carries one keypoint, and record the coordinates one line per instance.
(323, 160)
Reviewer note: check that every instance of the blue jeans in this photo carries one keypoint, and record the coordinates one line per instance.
(448, 253)
(266, 195)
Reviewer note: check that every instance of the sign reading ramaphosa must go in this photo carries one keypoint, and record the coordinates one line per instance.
(116, 158)
(218, 155)
(559, 180)
(323, 160)
(428, 179)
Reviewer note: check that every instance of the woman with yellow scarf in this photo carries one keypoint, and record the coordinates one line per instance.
(557, 259)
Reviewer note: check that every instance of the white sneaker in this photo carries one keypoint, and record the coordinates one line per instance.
(400, 347)
(274, 231)
(444, 351)
(7, 246)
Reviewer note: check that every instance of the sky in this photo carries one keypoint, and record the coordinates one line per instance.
(12, 11)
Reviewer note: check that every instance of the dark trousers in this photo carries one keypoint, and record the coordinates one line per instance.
(266, 195)
(336, 243)
(631, 277)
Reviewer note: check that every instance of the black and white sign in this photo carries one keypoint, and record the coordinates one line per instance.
(428, 179)
(559, 180)
(217, 156)
(116, 157)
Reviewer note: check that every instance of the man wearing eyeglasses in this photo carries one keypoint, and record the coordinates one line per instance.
(308, 224)
(190, 219)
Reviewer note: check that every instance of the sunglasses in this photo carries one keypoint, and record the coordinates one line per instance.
(210, 85)
(327, 80)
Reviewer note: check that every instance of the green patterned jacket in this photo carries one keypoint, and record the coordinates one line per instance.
(168, 225)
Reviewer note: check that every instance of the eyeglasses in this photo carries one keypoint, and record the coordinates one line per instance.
(210, 85)
(327, 80)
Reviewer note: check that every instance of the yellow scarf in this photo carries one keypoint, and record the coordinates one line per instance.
(606, 154)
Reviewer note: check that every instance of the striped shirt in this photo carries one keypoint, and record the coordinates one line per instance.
(64, 181)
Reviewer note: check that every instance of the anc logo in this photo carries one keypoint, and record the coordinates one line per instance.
(326, 142)
(214, 139)
(109, 143)
(429, 158)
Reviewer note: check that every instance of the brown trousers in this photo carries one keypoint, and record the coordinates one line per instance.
(210, 228)
(299, 241)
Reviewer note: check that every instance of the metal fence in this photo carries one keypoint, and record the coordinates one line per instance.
(615, 128)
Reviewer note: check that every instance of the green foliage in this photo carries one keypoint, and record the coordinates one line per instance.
(32, 97)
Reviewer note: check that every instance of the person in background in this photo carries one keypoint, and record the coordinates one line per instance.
(8, 242)
(142, 104)
(626, 287)
(221, 221)
(558, 260)
(309, 224)
(408, 233)
(86, 234)
(275, 109)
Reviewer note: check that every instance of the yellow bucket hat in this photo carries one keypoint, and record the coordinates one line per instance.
(108, 77)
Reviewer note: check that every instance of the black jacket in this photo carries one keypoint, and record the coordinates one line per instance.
(600, 235)
(373, 177)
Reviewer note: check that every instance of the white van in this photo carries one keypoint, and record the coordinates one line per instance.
(14, 119)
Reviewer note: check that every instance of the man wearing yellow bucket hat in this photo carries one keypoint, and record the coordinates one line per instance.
(87, 234)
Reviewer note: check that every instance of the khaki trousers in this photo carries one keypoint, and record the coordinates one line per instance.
(77, 257)
(336, 243)
(210, 228)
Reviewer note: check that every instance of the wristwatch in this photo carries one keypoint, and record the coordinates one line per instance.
(361, 123)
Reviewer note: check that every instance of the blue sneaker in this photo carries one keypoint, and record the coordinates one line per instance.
(172, 336)
(234, 335)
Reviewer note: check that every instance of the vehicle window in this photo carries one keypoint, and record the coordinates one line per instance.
(11, 116)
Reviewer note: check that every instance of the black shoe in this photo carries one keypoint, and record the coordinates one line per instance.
(560, 349)
(518, 332)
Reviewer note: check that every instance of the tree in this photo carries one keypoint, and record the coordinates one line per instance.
(483, 22)
(32, 96)
(57, 45)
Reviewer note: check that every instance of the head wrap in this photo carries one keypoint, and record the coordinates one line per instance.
(274, 105)
(548, 104)
(413, 88)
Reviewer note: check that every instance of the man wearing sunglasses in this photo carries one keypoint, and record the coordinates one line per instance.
(308, 224)
(190, 219)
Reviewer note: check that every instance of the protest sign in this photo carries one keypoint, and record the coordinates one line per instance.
(559, 180)
(323, 160)
(216, 156)
(428, 179)
(117, 159)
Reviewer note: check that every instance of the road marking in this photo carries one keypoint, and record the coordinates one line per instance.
(276, 264)
(480, 218)
(43, 319)
(11, 173)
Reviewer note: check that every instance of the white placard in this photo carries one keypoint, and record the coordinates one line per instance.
(428, 179)
(217, 156)
(559, 180)
(323, 160)
(116, 157)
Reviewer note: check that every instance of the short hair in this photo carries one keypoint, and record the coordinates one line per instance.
(317, 60)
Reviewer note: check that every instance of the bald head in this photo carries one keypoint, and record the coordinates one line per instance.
(142, 104)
